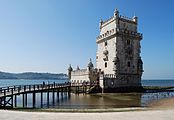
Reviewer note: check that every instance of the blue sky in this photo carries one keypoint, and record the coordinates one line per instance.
(48, 35)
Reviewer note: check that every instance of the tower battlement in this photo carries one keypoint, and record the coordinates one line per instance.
(117, 31)
(133, 20)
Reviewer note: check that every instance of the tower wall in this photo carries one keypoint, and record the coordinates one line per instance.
(118, 52)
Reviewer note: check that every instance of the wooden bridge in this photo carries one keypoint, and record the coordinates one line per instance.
(8, 95)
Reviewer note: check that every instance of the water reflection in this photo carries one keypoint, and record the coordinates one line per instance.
(100, 101)
(96, 101)
(149, 97)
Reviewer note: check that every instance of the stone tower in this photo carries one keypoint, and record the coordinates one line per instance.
(118, 52)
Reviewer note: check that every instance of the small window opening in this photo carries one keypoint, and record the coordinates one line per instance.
(128, 42)
(106, 43)
(128, 64)
(105, 64)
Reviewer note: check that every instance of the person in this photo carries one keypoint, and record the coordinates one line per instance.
(43, 83)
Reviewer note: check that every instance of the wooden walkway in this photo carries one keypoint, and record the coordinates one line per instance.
(8, 95)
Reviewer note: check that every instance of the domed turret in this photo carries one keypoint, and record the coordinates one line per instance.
(116, 13)
(78, 67)
(90, 64)
(135, 19)
(70, 69)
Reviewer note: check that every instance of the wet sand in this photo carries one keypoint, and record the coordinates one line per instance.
(167, 103)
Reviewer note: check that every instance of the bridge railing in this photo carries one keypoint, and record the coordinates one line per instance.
(27, 88)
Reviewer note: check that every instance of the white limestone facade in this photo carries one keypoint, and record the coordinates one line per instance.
(79, 76)
(118, 52)
(118, 60)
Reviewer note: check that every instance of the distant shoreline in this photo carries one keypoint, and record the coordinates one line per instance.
(32, 79)
(32, 75)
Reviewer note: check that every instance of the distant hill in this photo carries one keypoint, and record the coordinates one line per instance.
(32, 75)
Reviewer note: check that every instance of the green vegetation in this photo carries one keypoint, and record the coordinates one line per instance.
(32, 75)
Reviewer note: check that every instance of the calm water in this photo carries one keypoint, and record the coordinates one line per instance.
(110, 100)
(158, 82)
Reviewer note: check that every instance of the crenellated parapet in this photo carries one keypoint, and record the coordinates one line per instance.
(118, 32)
(80, 72)
(117, 17)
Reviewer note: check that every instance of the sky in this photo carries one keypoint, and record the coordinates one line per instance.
(48, 35)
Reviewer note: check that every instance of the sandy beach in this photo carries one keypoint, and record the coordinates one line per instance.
(162, 110)
(136, 115)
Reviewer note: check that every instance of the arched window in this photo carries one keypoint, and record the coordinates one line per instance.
(105, 64)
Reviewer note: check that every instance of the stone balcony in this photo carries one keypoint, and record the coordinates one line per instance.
(118, 31)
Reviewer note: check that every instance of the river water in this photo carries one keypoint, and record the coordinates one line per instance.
(99, 101)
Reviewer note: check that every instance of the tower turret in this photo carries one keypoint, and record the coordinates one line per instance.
(116, 13)
(100, 24)
(90, 65)
(70, 69)
(135, 19)
(78, 67)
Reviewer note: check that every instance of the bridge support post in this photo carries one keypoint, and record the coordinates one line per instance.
(0, 102)
(15, 100)
(23, 100)
(58, 95)
(41, 99)
(34, 99)
(53, 96)
(48, 98)
(62, 93)
(78, 90)
(69, 91)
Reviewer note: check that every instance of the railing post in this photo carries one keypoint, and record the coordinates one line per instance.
(54, 84)
(8, 89)
(37, 87)
(19, 88)
(24, 88)
(34, 87)
(14, 88)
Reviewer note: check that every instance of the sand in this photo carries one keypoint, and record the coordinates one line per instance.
(136, 115)
(167, 103)
(154, 113)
